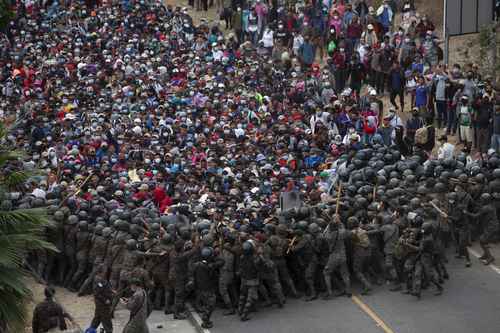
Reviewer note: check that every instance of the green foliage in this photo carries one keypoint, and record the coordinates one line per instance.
(21, 232)
(6, 13)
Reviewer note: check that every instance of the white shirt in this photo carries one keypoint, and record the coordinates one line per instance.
(268, 38)
(446, 151)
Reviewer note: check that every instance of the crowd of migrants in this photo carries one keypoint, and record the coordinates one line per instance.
(182, 162)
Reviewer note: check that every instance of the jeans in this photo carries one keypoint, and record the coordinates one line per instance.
(495, 142)
(441, 113)
(451, 125)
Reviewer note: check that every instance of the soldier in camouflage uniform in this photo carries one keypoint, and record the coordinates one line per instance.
(361, 252)
(129, 262)
(269, 279)
(103, 297)
(97, 255)
(337, 261)
(305, 251)
(249, 274)
(390, 234)
(115, 258)
(48, 314)
(279, 245)
(205, 283)
(179, 260)
(460, 223)
(424, 264)
(227, 270)
(488, 215)
(83, 243)
(70, 232)
(158, 264)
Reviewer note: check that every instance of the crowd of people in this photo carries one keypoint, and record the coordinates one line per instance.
(246, 164)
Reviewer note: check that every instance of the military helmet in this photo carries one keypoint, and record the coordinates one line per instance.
(207, 252)
(131, 244)
(72, 219)
(313, 228)
(83, 215)
(440, 187)
(486, 197)
(353, 222)
(83, 225)
(479, 178)
(106, 232)
(247, 247)
(98, 229)
(167, 239)
(496, 173)
(59, 216)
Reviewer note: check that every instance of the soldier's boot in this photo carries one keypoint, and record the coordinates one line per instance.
(265, 295)
(329, 290)
(178, 314)
(467, 257)
(293, 290)
(313, 294)
(408, 285)
(168, 301)
(367, 288)
(230, 311)
(439, 289)
(157, 294)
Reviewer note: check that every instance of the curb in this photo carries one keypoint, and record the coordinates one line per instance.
(195, 319)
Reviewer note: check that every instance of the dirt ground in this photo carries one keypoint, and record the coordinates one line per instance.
(81, 308)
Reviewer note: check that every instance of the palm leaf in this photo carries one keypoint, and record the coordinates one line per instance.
(21, 231)
(17, 178)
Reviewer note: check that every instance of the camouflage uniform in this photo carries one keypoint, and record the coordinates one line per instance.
(103, 297)
(226, 274)
(83, 243)
(337, 261)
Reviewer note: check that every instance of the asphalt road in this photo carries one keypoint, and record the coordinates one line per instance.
(470, 304)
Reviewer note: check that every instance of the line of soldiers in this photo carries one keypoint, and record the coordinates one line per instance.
(393, 224)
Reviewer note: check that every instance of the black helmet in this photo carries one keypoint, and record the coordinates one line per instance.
(247, 247)
(59, 216)
(422, 190)
(131, 244)
(440, 187)
(480, 178)
(98, 229)
(496, 173)
(167, 239)
(313, 228)
(485, 197)
(207, 252)
(83, 225)
(463, 178)
(352, 222)
(106, 232)
(83, 215)
(302, 225)
(427, 228)
(452, 197)
(414, 203)
(72, 219)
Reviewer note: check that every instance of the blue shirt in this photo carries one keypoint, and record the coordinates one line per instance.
(421, 96)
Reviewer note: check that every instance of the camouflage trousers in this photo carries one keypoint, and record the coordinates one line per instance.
(249, 295)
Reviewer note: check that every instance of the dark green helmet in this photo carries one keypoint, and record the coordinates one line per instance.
(72, 219)
(131, 244)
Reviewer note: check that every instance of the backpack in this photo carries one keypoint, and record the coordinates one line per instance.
(422, 135)
(362, 238)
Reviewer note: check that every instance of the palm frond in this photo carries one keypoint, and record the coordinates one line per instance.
(9, 155)
(21, 219)
(17, 178)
